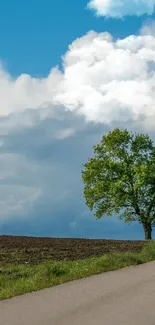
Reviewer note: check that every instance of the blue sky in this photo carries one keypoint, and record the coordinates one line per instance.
(70, 71)
(35, 34)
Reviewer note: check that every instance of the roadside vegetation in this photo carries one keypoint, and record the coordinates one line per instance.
(19, 279)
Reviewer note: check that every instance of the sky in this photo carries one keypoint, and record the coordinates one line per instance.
(70, 71)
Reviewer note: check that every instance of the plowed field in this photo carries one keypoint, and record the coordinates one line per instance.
(34, 250)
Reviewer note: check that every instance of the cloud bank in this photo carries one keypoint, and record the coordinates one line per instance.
(48, 127)
(121, 8)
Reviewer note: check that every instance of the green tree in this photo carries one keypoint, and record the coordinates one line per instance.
(120, 178)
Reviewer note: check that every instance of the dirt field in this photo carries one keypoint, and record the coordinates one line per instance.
(32, 250)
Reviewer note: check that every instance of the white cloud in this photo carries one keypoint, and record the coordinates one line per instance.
(26, 92)
(121, 8)
(107, 80)
(104, 80)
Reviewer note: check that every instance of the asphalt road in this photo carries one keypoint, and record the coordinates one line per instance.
(121, 297)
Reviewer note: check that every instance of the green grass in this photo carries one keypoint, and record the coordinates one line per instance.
(19, 279)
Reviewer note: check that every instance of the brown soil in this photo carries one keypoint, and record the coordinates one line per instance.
(33, 250)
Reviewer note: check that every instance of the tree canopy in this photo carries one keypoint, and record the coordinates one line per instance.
(120, 178)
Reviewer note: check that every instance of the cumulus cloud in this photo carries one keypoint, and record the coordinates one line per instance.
(103, 79)
(26, 92)
(121, 8)
(107, 80)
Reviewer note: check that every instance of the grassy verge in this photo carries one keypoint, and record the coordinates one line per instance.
(19, 279)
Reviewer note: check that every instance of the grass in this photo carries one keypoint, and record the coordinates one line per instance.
(16, 280)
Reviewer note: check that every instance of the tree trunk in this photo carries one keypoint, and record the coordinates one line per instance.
(147, 230)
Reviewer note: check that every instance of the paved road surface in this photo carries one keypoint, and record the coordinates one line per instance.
(124, 297)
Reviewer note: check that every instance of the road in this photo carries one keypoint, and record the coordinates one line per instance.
(122, 297)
